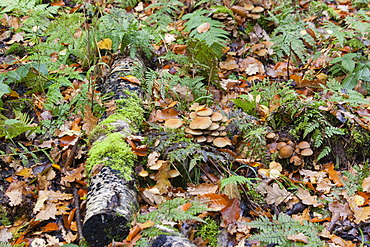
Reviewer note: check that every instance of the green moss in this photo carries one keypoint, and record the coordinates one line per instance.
(209, 231)
(131, 109)
(112, 151)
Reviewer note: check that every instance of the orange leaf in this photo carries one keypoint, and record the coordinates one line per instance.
(185, 207)
(50, 227)
(333, 174)
(57, 3)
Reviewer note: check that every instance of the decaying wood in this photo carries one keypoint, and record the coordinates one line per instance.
(112, 196)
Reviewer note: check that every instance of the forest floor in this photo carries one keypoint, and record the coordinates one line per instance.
(257, 128)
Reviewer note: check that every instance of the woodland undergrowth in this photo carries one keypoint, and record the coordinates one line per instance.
(284, 86)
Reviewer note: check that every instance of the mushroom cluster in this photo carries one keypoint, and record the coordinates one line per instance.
(289, 150)
(208, 126)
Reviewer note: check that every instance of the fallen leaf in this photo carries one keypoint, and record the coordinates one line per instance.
(333, 174)
(300, 237)
(48, 213)
(275, 195)
(202, 189)
(90, 121)
(231, 213)
(203, 27)
(306, 198)
(366, 184)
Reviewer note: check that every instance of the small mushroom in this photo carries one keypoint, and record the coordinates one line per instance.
(173, 173)
(205, 112)
(143, 173)
(307, 152)
(271, 135)
(248, 7)
(286, 151)
(192, 115)
(280, 145)
(210, 138)
(221, 142)
(213, 126)
(224, 119)
(221, 128)
(200, 139)
(173, 123)
(303, 145)
(258, 9)
(195, 132)
(215, 133)
(200, 123)
(216, 116)
(223, 133)
(297, 161)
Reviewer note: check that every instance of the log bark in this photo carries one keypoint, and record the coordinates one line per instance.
(112, 196)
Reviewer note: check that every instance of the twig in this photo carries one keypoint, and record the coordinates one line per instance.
(76, 202)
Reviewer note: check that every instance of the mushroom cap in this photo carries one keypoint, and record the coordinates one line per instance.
(143, 173)
(213, 126)
(209, 138)
(303, 145)
(248, 7)
(296, 160)
(271, 135)
(192, 115)
(215, 133)
(221, 128)
(200, 123)
(224, 119)
(221, 142)
(173, 123)
(200, 139)
(280, 145)
(216, 116)
(257, 9)
(286, 151)
(205, 112)
(173, 173)
(307, 152)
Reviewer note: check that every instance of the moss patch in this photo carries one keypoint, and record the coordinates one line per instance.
(112, 151)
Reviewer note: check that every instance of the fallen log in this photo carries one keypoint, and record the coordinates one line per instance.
(112, 196)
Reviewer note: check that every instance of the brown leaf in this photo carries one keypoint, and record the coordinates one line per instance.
(217, 201)
(49, 212)
(251, 66)
(204, 27)
(90, 121)
(333, 174)
(306, 198)
(162, 177)
(366, 184)
(300, 237)
(275, 195)
(231, 213)
(202, 189)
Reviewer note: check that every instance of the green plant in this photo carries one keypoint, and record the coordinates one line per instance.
(126, 32)
(10, 128)
(164, 13)
(169, 211)
(4, 244)
(353, 181)
(209, 231)
(282, 227)
(287, 36)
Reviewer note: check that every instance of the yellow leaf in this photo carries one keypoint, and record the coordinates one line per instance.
(105, 44)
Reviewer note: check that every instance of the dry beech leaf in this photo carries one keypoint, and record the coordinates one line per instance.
(366, 185)
(300, 237)
(216, 201)
(333, 174)
(306, 198)
(231, 213)
(204, 27)
(275, 195)
(202, 189)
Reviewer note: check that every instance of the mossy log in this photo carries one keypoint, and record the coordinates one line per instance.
(112, 196)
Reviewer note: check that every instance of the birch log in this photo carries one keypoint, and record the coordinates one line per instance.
(112, 196)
